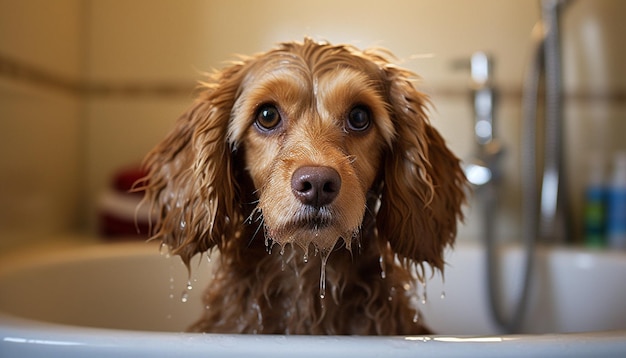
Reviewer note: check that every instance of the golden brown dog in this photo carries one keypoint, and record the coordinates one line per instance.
(314, 171)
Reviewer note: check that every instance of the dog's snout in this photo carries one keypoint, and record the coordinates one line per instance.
(316, 185)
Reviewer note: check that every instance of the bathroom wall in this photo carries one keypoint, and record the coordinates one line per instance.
(40, 119)
(141, 60)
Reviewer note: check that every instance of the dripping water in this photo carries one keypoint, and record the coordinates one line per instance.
(191, 279)
(416, 316)
(282, 262)
(164, 250)
(185, 295)
(424, 297)
(305, 257)
(259, 317)
(171, 285)
(443, 287)
(324, 257)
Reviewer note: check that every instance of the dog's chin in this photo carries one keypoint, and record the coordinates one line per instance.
(322, 233)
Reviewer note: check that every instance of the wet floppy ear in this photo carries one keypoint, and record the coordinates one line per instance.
(423, 186)
(190, 186)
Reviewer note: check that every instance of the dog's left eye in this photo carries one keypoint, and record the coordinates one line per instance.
(268, 117)
(359, 118)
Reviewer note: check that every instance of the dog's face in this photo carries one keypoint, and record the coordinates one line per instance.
(302, 134)
(313, 135)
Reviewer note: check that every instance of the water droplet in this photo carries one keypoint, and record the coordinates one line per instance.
(164, 250)
(324, 257)
(424, 294)
(189, 286)
(259, 315)
(443, 295)
(171, 280)
(416, 317)
(184, 297)
(306, 258)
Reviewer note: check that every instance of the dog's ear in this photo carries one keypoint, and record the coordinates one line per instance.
(423, 184)
(190, 184)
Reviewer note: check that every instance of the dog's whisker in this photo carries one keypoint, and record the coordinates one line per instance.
(256, 232)
(253, 202)
(250, 219)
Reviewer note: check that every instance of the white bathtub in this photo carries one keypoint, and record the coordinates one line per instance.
(125, 300)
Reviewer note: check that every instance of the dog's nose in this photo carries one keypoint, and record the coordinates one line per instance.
(316, 185)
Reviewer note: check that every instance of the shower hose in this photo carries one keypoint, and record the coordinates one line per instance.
(546, 58)
(530, 195)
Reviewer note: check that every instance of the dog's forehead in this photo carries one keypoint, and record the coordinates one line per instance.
(314, 62)
(305, 77)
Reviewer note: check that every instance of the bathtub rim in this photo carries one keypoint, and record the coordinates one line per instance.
(19, 336)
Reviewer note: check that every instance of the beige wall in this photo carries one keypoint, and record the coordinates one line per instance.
(40, 126)
(152, 43)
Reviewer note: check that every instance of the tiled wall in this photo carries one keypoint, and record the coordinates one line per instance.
(41, 119)
(154, 44)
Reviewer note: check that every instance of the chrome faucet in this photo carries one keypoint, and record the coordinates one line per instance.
(484, 167)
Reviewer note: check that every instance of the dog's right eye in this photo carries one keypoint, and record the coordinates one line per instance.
(359, 118)
(268, 117)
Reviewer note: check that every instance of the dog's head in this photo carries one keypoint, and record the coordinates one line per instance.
(296, 142)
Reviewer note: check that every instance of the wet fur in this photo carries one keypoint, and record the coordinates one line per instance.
(218, 182)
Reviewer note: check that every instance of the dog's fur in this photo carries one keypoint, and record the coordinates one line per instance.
(225, 178)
